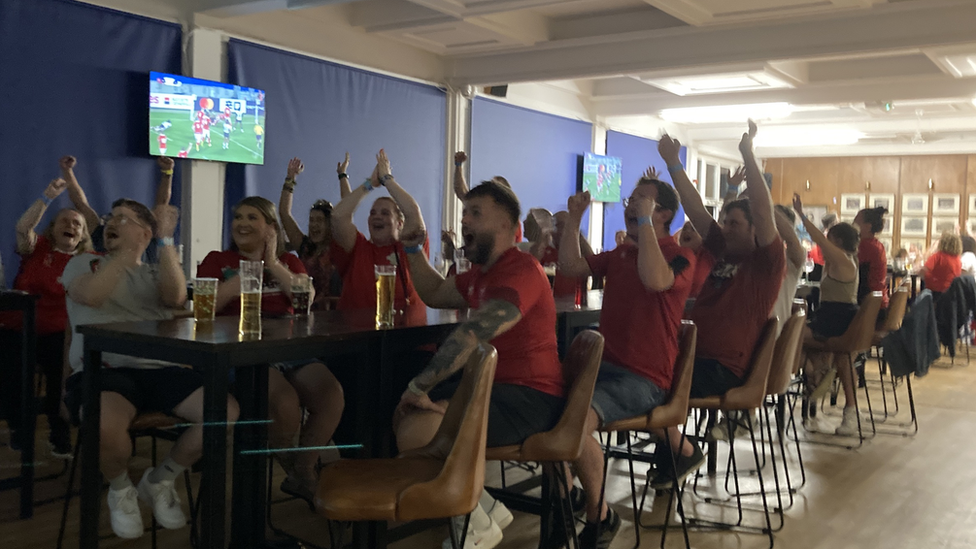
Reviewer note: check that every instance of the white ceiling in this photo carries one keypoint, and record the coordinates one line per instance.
(902, 73)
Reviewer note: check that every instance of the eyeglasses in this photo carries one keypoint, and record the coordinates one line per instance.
(322, 205)
(123, 220)
(626, 201)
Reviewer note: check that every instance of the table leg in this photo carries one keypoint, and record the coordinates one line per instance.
(369, 535)
(91, 478)
(250, 470)
(28, 412)
(213, 489)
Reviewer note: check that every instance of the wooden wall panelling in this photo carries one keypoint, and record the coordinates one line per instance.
(948, 174)
(970, 189)
(823, 176)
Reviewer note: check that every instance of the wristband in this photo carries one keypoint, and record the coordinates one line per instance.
(458, 164)
(412, 387)
(645, 220)
(165, 241)
(47, 201)
(166, 172)
(385, 178)
(675, 167)
(343, 174)
(413, 249)
(367, 185)
(733, 189)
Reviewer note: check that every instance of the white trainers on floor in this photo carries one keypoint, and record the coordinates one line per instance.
(848, 426)
(500, 515)
(123, 506)
(165, 503)
(477, 539)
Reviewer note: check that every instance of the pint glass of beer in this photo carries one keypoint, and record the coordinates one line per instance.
(204, 297)
(385, 293)
(301, 294)
(252, 279)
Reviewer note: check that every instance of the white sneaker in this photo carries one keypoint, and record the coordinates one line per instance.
(848, 426)
(500, 515)
(123, 506)
(165, 503)
(480, 539)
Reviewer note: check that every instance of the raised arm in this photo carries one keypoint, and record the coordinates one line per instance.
(690, 199)
(93, 289)
(164, 191)
(571, 262)
(434, 290)
(460, 185)
(760, 202)
(172, 281)
(732, 192)
(654, 271)
(794, 250)
(343, 229)
(293, 233)
(833, 254)
(77, 194)
(341, 169)
(413, 221)
(26, 237)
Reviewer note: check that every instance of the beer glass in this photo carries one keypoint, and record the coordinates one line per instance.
(461, 263)
(301, 294)
(385, 294)
(204, 297)
(252, 279)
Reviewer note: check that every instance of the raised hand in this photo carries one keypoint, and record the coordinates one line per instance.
(642, 206)
(669, 149)
(578, 203)
(382, 164)
(651, 173)
(414, 238)
(295, 167)
(67, 162)
(460, 157)
(798, 204)
(341, 167)
(55, 188)
(374, 179)
(165, 163)
(738, 177)
(167, 216)
(745, 145)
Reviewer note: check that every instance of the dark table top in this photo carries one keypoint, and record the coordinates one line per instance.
(16, 300)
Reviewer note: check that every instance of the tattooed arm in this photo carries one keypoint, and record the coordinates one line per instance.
(493, 318)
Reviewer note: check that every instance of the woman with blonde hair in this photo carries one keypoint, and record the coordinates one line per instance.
(43, 258)
(292, 385)
(944, 265)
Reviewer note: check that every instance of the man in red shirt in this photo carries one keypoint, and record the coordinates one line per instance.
(649, 277)
(749, 263)
(513, 310)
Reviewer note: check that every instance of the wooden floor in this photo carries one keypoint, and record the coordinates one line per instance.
(894, 492)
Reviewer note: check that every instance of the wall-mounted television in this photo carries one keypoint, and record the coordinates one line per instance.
(600, 175)
(205, 120)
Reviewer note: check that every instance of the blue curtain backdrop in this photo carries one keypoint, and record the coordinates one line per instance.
(638, 153)
(74, 80)
(319, 110)
(536, 152)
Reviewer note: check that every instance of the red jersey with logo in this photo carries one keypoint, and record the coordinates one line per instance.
(640, 326)
(527, 353)
(198, 127)
(359, 277)
(224, 266)
(206, 123)
(183, 154)
(162, 141)
(871, 251)
(40, 274)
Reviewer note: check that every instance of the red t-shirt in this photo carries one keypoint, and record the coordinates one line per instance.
(941, 269)
(40, 274)
(871, 251)
(704, 262)
(359, 277)
(562, 286)
(224, 266)
(197, 127)
(735, 302)
(162, 141)
(816, 254)
(527, 353)
(640, 326)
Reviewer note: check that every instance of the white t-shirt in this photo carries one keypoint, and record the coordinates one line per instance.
(783, 308)
(969, 263)
(136, 298)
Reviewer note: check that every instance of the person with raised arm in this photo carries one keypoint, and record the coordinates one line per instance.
(512, 308)
(748, 264)
(648, 279)
(43, 259)
(119, 287)
(315, 247)
(356, 256)
(461, 186)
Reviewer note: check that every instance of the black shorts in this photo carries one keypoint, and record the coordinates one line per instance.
(515, 413)
(710, 378)
(149, 390)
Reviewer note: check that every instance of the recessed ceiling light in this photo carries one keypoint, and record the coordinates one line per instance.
(805, 137)
(725, 114)
(719, 83)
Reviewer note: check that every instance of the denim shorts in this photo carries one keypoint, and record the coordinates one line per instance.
(622, 394)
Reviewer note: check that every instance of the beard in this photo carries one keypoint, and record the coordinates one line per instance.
(479, 251)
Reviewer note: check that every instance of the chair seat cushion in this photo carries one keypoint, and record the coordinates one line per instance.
(369, 489)
(153, 420)
(505, 453)
(707, 403)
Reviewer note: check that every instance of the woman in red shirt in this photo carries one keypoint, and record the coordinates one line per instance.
(43, 258)
(871, 257)
(291, 385)
(944, 265)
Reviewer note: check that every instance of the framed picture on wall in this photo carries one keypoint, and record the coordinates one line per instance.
(945, 204)
(914, 244)
(888, 225)
(851, 203)
(972, 205)
(886, 201)
(943, 224)
(971, 226)
(814, 213)
(914, 204)
(913, 226)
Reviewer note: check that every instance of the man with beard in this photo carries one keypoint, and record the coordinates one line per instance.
(648, 280)
(748, 264)
(513, 310)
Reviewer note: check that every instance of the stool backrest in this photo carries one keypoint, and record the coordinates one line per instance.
(675, 410)
(785, 354)
(859, 334)
(896, 310)
(565, 440)
(460, 443)
(752, 393)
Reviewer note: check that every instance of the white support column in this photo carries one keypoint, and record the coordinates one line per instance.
(595, 236)
(458, 134)
(203, 181)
